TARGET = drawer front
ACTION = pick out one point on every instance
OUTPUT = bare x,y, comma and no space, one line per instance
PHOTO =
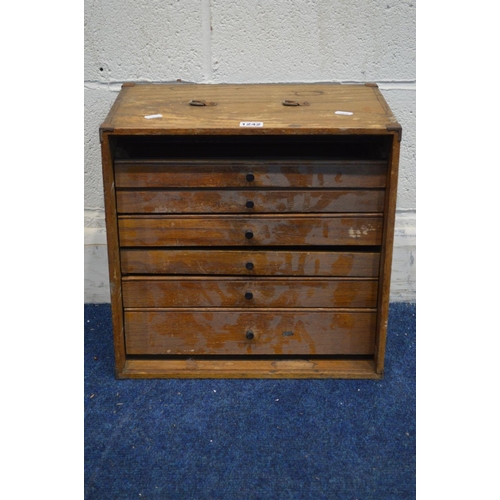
244,201
249,174
229,332
250,263
209,231
165,293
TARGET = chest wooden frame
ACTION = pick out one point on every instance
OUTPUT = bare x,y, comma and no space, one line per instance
250,229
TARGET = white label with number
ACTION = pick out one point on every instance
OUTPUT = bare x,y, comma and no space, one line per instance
251,124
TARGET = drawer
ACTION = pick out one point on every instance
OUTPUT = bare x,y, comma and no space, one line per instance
249,263
161,201
247,174
247,231
271,292
230,332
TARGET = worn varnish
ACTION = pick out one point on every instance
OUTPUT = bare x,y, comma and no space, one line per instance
248,367
247,238
235,231
160,292
250,263
264,332
161,201
317,174
250,103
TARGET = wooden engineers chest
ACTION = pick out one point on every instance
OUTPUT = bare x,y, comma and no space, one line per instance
250,229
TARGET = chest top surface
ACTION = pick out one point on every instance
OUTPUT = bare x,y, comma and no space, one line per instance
208,109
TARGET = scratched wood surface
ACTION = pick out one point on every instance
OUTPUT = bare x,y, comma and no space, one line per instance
249,367
386,256
257,242
155,201
237,231
272,292
113,248
362,109
249,263
224,332
250,174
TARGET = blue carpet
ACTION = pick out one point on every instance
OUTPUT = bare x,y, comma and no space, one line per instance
250,439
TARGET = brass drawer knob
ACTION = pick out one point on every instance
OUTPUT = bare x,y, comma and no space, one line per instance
249,335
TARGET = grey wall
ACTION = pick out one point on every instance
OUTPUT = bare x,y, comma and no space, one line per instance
249,41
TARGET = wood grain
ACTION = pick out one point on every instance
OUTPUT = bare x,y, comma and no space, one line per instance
305,266
386,255
263,230
113,252
254,102
223,332
266,173
271,292
162,201
246,368
264,262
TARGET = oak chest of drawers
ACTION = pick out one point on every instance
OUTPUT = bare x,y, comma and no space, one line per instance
250,229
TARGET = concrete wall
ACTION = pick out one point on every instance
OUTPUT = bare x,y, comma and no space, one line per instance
249,41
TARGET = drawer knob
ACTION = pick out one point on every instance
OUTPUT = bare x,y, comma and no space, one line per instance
249,265
249,335
249,235
249,295
249,204
250,177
